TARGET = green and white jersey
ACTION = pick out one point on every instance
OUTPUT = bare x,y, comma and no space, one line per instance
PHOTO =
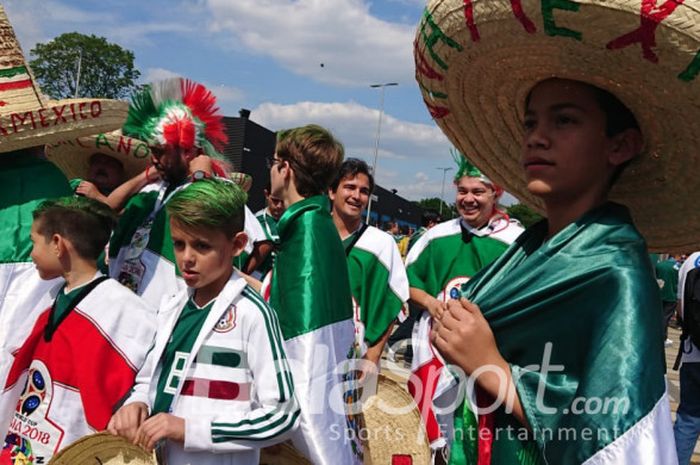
178,351
269,226
447,255
228,377
378,283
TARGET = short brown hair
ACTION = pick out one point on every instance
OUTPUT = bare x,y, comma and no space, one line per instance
314,155
85,222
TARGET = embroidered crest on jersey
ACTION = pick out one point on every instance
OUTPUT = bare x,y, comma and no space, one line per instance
453,288
227,321
32,436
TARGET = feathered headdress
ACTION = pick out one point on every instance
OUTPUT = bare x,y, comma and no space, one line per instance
179,112
465,168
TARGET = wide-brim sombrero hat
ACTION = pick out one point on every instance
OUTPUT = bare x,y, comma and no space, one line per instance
392,427
243,180
28,119
476,61
105,449
73,156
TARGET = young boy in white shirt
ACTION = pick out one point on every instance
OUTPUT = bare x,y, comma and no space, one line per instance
216,386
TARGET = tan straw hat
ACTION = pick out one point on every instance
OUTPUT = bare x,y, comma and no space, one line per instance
27,119
392,430
244,181
104,449
73,156
282,454
476,61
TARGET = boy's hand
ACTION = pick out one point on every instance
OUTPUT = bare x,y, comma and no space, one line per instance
126,421
464,337
435,307
161,426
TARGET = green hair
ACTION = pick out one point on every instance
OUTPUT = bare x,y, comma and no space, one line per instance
211,203
85,222
464,167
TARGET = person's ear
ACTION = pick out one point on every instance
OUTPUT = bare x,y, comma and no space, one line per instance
240,240
59,246
625,146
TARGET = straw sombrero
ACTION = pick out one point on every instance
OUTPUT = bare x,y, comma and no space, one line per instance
393,431
73,156
282,454
243,180
105,449
28,119
476,60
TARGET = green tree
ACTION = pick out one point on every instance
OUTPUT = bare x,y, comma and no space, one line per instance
434,203
526,215
106,70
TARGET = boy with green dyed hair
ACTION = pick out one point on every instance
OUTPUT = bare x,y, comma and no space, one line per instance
212,395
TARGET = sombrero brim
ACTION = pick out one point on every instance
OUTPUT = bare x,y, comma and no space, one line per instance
59,120
393,426
73,156
476,62
105,449
243,180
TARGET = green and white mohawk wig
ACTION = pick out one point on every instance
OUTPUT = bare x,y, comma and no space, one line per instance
179,112
465,168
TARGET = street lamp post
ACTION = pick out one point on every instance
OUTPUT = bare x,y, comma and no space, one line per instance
442,193
376,142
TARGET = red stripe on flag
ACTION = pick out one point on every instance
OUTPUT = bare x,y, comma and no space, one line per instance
421,386
15,85
224,390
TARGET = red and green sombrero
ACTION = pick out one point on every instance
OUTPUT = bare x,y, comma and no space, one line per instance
476,61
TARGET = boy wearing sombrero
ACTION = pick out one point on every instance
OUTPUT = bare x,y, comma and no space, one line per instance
28,121
97,165
569,105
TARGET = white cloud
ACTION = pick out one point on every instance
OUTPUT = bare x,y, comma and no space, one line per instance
225,94
356,126
158,74
57,17
408,152
354,47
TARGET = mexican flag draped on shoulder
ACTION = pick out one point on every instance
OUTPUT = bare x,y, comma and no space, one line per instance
378,283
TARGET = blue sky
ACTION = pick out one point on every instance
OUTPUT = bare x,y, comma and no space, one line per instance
266,55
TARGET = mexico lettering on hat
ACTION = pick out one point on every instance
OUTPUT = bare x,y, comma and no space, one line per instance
28,119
